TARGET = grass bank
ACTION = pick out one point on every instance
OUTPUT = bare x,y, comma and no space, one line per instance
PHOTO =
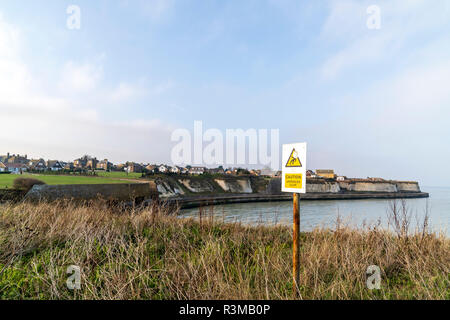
6,180
146,254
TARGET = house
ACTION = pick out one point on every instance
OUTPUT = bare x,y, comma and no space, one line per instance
17,159
150,168
104,165
121,167
85,162
133,167
184,170
218,170
163,168
197,170
3,168
37,165
341,178
54,165
16,168
175,170
91,164
68,166
310,173
254,172
327,174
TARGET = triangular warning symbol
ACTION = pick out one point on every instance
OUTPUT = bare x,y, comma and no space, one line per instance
294,160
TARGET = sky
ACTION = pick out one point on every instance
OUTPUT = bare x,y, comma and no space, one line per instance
369,102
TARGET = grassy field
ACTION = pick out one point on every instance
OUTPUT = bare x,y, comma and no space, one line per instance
146,254
6,180
119,175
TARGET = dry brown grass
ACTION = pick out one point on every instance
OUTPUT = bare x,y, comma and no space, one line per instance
148,254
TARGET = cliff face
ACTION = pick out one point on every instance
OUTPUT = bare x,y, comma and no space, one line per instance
237,186
172,186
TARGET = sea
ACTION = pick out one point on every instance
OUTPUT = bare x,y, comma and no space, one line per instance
331,213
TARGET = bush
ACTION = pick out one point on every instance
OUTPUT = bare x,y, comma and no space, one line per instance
26,183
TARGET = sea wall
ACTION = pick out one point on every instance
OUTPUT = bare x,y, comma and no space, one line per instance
109,192
368,187
327,187
408,186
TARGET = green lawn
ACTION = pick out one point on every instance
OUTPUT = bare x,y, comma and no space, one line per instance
6,180
119,175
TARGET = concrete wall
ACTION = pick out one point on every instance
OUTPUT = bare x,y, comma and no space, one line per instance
369,186
112,192
274,187
328,187
408,186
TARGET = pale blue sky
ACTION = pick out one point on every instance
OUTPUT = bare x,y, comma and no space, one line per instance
368,102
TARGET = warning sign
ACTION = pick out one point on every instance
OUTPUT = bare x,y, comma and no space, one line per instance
293,181
294,168
294,160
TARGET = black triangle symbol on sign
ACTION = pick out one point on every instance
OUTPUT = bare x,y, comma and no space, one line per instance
294,161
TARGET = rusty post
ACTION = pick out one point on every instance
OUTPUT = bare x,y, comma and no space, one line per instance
296,245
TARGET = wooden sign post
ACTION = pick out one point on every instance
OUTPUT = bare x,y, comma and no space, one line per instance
294,180
296,244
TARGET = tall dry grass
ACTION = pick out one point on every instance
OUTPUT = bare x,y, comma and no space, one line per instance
145,253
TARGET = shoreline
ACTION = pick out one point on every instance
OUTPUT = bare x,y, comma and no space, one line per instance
190,202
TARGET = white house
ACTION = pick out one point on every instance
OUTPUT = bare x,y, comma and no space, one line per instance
163,169
16,168
175,169
197,170
184,170
3,168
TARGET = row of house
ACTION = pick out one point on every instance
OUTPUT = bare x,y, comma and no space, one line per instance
32,165
18,164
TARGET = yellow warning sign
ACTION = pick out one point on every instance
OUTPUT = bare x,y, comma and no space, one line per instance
293,181
294,160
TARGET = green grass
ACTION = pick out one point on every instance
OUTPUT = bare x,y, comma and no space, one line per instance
147,254
119,175
6,180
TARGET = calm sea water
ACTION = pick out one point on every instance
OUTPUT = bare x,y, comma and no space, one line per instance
325,213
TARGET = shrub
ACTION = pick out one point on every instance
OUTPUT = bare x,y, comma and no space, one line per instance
26,183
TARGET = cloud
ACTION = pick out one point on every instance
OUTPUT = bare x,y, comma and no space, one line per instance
59,124
354,45
157,10
80,77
